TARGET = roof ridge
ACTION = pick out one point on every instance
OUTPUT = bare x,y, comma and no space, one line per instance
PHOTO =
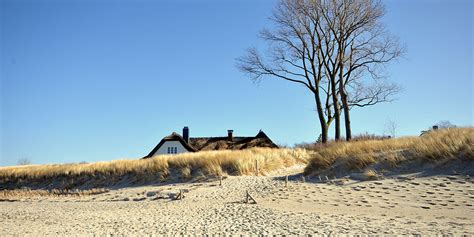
220,137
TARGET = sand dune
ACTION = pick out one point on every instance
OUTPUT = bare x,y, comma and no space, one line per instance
399,205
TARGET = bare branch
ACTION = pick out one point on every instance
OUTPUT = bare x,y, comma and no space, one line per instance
373,94
253,65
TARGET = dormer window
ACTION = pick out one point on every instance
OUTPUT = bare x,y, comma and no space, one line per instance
172,150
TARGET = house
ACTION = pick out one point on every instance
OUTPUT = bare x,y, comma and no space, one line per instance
434,128
175,143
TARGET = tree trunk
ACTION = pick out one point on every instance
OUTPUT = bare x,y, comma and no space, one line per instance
347,119
346,109
324,133
337,111
322,119
343,93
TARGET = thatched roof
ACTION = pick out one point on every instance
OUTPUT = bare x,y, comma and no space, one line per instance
218,143
237,143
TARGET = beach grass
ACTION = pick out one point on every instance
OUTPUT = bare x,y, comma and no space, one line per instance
443,144
161,167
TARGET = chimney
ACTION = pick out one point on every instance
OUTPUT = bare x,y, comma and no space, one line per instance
186,134
435,127
230,136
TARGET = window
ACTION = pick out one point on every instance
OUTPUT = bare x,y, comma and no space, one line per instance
172,150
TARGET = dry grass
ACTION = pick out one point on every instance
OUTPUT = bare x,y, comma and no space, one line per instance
358,155
9,195
371,174
455,143
164,167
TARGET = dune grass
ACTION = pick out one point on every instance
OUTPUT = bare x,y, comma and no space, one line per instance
10,195
444,144
158,168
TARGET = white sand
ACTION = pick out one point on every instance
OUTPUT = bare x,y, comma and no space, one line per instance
430,205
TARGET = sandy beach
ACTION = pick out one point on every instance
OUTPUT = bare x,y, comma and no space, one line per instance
430,205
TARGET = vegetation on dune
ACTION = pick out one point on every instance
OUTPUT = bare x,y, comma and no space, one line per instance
29,193
159,168
444,144
440,145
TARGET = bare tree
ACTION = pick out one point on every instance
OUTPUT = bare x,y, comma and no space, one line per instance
295,55
363,48
336,49
391,128
445,124
24,161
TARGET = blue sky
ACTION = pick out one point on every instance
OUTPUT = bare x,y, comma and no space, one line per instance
103,80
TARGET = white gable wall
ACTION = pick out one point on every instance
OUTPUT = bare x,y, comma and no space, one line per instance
164,148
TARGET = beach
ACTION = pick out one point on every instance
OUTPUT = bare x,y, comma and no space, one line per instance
431,205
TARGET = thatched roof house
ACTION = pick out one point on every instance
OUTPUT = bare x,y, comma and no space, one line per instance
175,143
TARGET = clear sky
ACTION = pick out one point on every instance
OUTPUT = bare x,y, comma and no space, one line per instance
104,80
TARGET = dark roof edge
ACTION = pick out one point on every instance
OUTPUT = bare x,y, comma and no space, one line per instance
261,134
172,137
